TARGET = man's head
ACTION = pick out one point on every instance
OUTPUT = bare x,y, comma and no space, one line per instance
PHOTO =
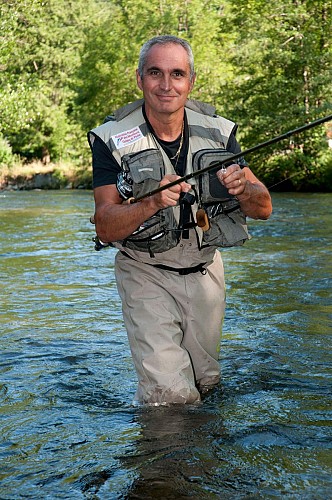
164,40
165,75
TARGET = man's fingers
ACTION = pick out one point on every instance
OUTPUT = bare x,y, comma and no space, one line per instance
185,187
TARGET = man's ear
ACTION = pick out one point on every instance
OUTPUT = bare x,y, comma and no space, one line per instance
192,83
139,80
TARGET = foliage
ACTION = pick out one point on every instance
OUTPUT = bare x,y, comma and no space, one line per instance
296,170
283,55
65,65
39,59
7,158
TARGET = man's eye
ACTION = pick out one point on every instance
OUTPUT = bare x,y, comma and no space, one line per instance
177,74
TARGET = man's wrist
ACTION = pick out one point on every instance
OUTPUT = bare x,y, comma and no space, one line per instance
246,193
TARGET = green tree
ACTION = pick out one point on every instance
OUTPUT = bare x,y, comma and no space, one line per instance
282,56
39,56
64,66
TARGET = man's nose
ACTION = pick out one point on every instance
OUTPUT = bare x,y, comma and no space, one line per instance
165,83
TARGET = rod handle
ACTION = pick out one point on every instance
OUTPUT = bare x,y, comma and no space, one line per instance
202,219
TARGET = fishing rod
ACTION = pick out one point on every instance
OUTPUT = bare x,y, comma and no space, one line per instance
219,164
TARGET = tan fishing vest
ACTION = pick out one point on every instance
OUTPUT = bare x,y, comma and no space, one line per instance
135,149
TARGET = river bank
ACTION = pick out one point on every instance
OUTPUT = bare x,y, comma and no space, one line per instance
39,176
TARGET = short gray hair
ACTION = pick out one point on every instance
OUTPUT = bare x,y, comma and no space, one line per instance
164,40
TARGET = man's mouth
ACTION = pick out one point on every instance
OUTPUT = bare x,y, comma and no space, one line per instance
165,96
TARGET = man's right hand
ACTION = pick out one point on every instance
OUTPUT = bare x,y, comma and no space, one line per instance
170,197
116,220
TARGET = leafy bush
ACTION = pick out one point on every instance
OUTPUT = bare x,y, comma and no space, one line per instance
321,177
7,158
297,170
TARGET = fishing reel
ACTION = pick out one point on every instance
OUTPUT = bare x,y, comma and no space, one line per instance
99,245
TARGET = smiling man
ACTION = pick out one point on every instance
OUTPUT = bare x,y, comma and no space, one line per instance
168,269
166,79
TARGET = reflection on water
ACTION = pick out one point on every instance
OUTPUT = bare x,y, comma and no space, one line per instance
68,428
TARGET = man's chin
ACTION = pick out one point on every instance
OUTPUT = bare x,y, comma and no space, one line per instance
167,106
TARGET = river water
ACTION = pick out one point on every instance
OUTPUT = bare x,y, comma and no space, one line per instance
68,426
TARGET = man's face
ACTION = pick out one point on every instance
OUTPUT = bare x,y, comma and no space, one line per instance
166,80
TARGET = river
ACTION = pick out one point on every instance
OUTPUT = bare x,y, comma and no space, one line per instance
68,426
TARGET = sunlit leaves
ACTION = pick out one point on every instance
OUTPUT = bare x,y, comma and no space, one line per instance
65,65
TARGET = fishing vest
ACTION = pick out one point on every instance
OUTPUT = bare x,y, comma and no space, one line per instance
140,156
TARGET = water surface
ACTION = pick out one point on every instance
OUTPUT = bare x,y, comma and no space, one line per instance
68,428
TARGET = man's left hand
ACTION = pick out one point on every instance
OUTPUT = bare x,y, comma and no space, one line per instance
233,178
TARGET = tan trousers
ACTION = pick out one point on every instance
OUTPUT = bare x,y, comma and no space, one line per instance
174,328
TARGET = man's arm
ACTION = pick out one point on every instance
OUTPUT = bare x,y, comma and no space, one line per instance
116,219
254,197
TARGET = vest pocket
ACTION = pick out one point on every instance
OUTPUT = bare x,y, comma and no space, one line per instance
156,235
144,165
227,222
227,230
210,187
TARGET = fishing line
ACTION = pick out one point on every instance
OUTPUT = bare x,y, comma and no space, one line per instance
284,180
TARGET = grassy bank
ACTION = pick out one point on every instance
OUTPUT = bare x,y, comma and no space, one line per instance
36,175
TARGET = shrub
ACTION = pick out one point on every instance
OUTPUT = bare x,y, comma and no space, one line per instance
7,158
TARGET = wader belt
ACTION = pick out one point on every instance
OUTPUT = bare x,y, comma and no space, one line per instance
182,270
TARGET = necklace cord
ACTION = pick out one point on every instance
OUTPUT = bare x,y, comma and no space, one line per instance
177,154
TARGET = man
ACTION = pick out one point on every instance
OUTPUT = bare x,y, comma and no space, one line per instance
169,270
